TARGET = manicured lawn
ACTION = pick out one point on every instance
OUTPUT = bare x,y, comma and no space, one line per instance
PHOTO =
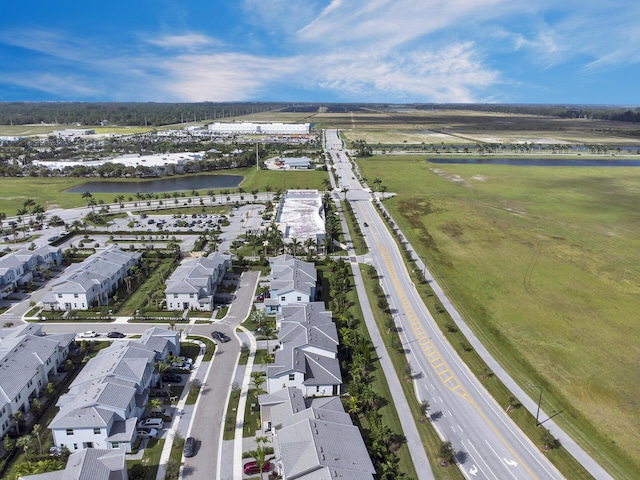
543,265
151,458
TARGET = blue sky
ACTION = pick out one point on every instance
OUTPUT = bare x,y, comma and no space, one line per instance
397,51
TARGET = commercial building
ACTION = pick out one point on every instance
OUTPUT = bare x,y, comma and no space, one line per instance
246,128
301,216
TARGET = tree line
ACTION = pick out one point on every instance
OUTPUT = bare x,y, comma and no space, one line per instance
124,114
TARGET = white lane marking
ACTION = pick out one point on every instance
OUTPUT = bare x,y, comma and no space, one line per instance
501,460
481,461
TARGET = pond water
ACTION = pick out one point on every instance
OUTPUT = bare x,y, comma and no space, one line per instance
161,185
538,162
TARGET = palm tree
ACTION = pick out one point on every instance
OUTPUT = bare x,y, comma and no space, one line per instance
154,404
88,196
294,245
212,196
258,379
260,453
161,367
267,330
36,431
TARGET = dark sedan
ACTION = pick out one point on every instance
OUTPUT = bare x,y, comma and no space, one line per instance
171,378
221,337
116,335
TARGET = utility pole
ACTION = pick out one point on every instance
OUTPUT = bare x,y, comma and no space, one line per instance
538,422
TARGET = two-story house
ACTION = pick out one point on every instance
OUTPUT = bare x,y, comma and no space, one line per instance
292,281
192,286
313,437
106,399
307,357
28,359
91,282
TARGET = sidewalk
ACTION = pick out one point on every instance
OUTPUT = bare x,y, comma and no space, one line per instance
180,412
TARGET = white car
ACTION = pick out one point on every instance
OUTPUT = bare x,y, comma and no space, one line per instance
147,433
88,334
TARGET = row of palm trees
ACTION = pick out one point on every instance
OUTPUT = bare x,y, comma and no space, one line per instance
357,353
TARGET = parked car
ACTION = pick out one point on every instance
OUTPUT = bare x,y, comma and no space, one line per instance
155,413
221,337
146,433
88,334
116,335
151,422
189,447
171,378
251,468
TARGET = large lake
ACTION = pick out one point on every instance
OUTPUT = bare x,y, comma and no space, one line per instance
538,162
161,185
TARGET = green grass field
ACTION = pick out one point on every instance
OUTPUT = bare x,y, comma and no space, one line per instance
543,264
50,192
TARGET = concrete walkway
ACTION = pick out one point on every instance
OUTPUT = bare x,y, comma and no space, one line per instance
413,443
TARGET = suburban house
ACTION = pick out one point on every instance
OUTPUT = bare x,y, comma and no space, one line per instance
89,464
91,282
292,281
301,216
307,357
20,267
27,360
192,286
105,400
313,438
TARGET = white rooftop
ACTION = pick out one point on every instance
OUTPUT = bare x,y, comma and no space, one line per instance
300,215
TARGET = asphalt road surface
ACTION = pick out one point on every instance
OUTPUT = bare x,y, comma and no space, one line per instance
488,444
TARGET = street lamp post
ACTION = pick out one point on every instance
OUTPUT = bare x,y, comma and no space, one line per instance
538,422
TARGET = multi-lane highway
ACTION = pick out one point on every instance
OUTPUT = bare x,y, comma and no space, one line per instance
488,444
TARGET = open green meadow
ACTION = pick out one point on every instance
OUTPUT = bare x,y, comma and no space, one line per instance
50,192
543,264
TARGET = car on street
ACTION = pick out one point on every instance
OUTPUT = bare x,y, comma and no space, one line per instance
221,337
116,335
88,334
189,447
251,468
171,378
365,224
146,432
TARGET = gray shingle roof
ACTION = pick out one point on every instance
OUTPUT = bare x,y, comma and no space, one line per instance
290,274
22,352
318,442
96,464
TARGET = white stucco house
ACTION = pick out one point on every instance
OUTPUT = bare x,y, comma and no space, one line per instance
313,438
20,267
110,394
292,281
307,357
192,286
89,464
27,360
93,281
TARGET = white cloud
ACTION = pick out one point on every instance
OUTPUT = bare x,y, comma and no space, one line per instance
186,41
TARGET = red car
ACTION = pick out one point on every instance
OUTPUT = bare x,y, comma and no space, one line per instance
251,468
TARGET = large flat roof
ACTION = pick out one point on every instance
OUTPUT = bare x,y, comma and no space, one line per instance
300,215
